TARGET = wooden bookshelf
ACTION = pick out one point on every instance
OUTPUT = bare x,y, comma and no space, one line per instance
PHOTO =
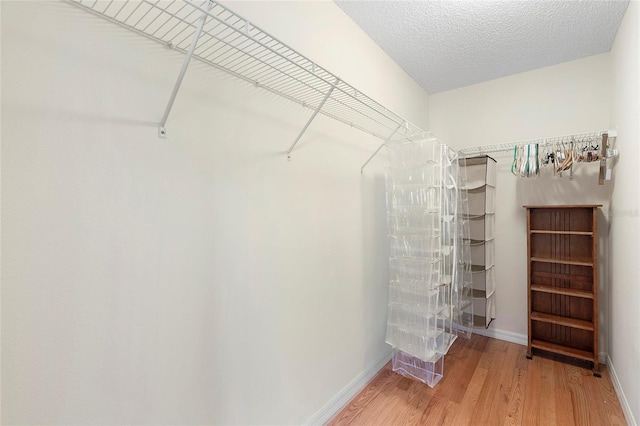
562,276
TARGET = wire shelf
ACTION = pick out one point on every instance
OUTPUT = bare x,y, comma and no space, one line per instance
542,142
232,44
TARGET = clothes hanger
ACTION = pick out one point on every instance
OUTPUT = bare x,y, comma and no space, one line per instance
549,157
567,159
555,158
574,157
582,156
560,158
534,160
524,166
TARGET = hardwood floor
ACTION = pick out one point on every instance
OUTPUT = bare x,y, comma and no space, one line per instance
488,382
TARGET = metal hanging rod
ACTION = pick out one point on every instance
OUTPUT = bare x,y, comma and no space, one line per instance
230,43
542,142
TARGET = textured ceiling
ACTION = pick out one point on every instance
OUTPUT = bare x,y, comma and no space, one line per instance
447,44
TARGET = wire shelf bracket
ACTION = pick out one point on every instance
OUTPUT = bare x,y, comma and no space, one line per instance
162,130
315,113
380,147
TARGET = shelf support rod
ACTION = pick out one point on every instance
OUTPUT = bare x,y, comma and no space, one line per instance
162,130
304,129
380,147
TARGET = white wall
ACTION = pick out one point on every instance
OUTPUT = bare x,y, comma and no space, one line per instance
624,300
564,99
196,280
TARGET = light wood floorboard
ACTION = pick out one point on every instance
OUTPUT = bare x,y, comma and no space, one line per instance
488,382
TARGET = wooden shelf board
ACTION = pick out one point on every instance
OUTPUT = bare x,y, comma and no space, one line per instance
561,349
561,261
542,231
559,320
563,206
556,275
564,291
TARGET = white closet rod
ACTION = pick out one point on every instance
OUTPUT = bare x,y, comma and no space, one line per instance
542,142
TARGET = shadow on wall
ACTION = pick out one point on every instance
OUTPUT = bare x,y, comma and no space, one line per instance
376,258
555,189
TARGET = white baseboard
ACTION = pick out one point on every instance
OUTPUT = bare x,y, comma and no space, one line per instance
508,336
626,409
520,339
332,407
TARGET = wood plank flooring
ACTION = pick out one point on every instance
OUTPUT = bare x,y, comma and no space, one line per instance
488,382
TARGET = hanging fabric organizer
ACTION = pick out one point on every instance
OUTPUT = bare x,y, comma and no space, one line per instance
481,191
212,34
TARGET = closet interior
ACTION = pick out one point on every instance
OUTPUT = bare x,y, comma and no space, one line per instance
441,203
441,214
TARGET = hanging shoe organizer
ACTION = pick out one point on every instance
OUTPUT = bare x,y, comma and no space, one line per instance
430,285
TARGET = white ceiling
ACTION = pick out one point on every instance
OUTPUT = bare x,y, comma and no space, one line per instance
446,44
